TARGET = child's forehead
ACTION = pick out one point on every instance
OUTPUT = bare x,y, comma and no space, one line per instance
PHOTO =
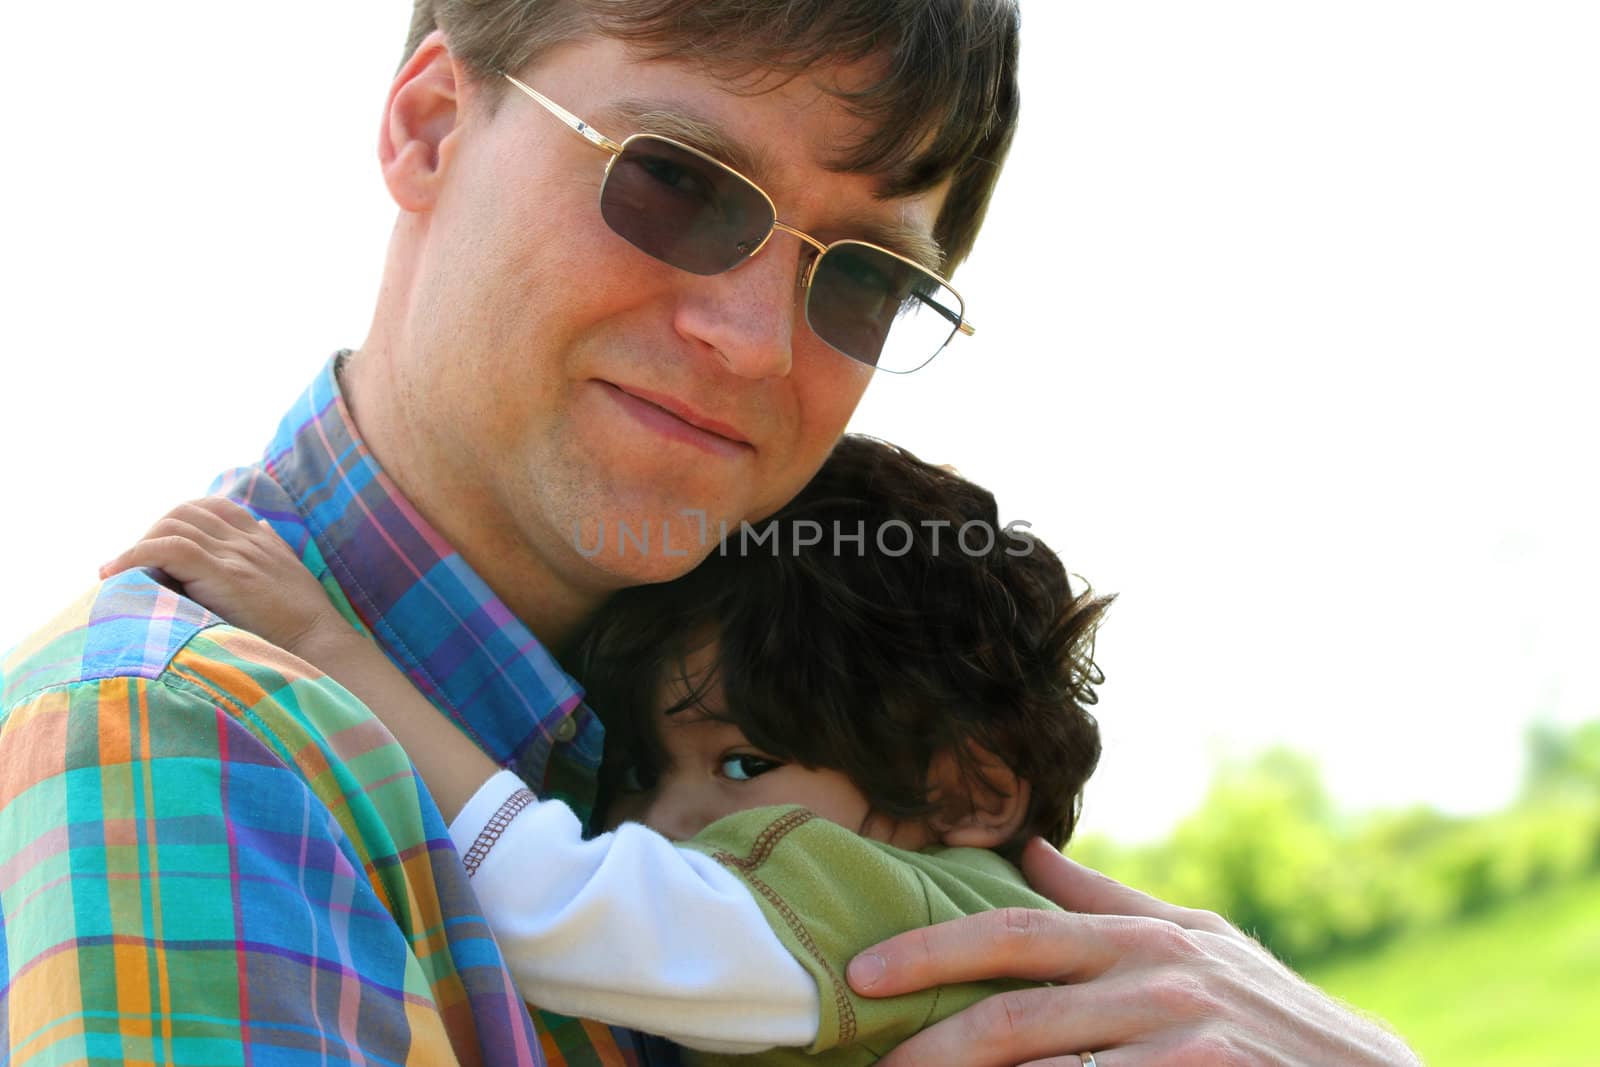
693,730
691,681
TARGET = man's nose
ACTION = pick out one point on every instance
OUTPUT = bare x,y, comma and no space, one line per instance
748,315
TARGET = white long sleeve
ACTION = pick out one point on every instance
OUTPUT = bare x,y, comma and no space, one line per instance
627,929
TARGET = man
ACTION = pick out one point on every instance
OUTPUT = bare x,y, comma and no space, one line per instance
212,855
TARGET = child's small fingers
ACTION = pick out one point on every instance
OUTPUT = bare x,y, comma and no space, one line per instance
187,524
229,511
202,515
179,556
234,525
126,560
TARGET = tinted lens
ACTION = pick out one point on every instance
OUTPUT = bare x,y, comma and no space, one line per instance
880,309
683,208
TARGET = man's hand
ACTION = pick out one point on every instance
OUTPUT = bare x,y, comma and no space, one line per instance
237,566
1138,983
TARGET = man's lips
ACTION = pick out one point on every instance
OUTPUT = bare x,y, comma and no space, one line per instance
674,420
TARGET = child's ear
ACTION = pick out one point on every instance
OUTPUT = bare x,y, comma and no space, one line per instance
970,814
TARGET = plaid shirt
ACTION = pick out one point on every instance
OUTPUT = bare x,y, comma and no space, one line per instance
212,854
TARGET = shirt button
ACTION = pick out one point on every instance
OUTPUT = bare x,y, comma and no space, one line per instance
566,729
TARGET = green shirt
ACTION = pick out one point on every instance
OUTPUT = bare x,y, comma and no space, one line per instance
830,893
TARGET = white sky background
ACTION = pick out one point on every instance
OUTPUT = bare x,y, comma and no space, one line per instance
1288,331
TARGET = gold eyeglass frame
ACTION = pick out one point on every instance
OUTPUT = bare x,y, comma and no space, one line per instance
605,144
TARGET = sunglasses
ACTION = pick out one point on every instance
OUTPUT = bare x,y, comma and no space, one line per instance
690,211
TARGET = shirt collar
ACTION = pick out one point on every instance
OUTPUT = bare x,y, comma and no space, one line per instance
430,612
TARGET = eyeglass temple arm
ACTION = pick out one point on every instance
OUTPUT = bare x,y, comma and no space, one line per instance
945,313
577,125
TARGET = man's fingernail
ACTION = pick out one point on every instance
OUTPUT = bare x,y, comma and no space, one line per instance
865,970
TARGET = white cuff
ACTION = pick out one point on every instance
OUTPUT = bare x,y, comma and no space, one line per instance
627,929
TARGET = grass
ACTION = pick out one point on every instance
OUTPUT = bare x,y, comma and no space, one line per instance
1516,986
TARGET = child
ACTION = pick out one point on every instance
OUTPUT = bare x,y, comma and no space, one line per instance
844,717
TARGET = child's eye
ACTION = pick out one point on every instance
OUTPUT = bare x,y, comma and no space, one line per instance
744,767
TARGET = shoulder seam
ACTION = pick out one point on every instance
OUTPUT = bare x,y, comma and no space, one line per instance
141,672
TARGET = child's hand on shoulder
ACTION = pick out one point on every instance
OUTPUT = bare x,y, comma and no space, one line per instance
238,567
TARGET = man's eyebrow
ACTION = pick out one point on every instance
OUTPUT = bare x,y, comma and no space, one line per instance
650,116
915,244
630,116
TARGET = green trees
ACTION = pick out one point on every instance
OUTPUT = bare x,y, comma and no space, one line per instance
1268,849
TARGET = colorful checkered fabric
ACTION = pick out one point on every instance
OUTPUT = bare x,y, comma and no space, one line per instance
211,854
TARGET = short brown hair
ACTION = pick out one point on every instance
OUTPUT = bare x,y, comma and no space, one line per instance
871,656
944,107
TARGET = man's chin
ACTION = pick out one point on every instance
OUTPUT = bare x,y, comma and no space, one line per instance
616,574
637,550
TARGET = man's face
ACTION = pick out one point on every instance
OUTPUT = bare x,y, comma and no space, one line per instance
566,385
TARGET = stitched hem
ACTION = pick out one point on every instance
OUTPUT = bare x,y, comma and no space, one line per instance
747,866
492,831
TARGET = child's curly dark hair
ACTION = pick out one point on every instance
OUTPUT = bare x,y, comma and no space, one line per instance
934,631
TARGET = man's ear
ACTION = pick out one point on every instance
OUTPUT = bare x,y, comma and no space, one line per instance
418,120
970,814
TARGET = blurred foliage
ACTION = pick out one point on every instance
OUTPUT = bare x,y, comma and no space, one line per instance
1514,985
1268,849
1563,760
